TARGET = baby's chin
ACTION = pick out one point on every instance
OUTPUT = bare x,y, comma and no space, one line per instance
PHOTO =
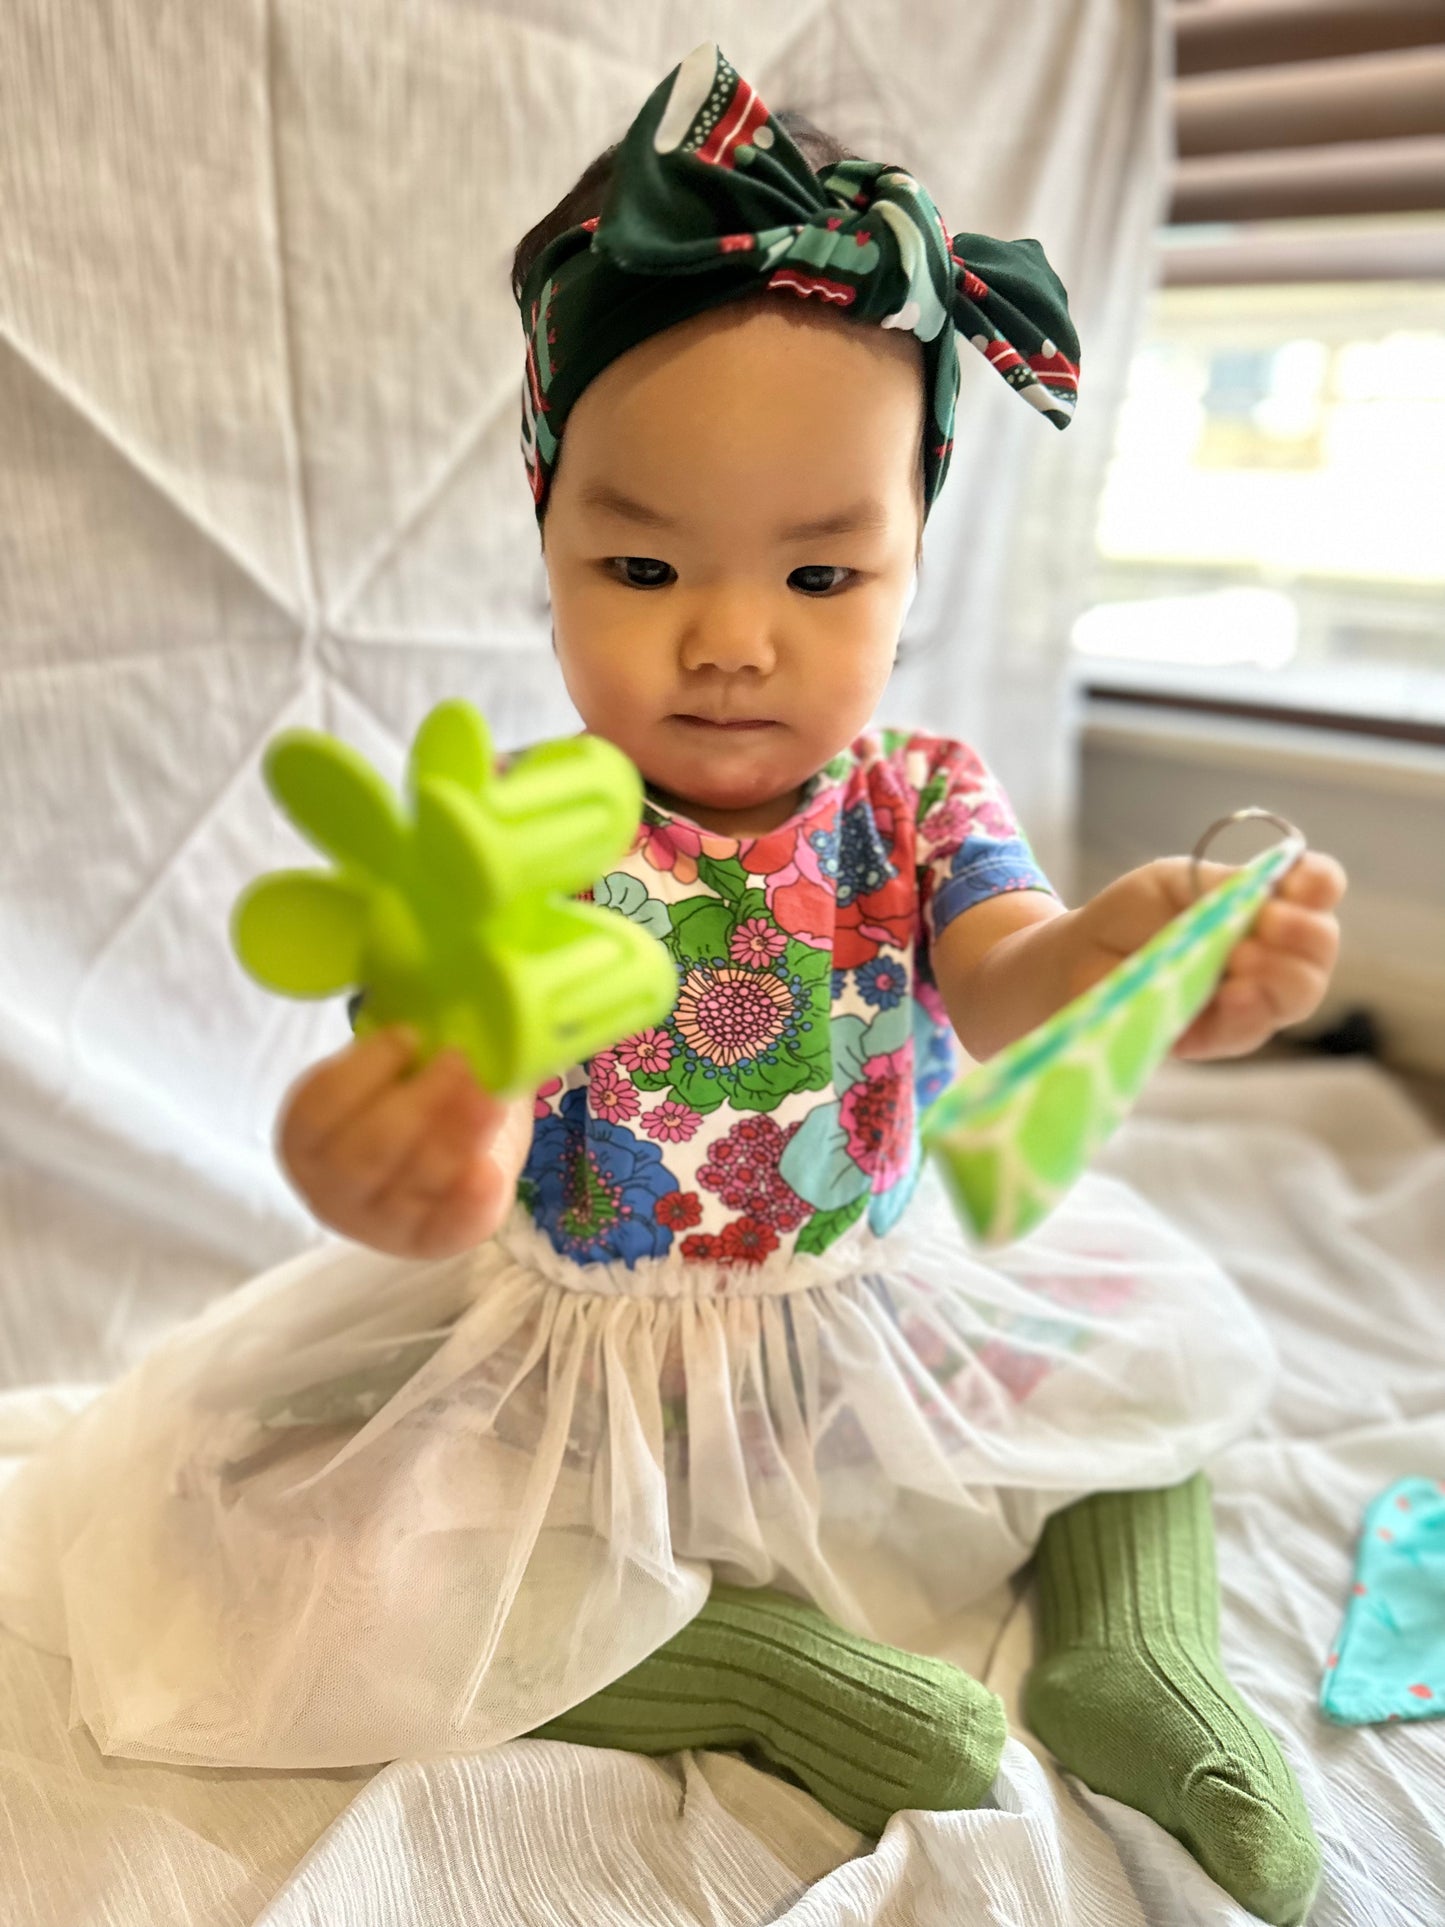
716,787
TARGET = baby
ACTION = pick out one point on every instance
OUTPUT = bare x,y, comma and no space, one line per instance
664,1395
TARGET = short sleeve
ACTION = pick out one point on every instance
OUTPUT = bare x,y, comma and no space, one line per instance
970,846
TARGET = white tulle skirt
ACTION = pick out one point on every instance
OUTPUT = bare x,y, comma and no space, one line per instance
365,1509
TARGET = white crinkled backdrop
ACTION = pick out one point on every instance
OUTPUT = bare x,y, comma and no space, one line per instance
259,372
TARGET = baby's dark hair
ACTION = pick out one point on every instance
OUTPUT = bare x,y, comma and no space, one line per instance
584,198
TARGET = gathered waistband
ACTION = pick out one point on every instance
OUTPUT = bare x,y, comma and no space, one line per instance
857,1252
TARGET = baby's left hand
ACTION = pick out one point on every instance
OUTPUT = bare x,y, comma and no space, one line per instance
1276,976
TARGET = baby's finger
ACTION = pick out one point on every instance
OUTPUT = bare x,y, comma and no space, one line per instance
1317,881
340,1087
1289,928
466,1215
1290,988
1182,881
366,1154
1129,911
1236,1020
456,1130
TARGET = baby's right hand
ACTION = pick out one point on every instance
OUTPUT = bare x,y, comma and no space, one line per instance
416,1163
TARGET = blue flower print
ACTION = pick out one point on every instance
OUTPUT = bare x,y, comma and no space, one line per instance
883,982
824,845
592,1186
864,859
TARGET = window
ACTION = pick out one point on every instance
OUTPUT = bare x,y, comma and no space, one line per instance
1272,525
1276,497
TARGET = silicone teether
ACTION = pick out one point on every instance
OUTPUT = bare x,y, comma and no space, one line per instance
1013,1135
454,917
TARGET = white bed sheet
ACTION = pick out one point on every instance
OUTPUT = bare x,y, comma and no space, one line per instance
1323,1190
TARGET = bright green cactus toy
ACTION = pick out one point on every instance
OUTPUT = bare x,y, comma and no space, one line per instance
1013,1135
456,918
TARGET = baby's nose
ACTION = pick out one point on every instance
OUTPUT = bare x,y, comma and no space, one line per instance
730,633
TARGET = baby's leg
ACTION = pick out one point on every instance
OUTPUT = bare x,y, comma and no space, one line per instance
869,1730
1131,1695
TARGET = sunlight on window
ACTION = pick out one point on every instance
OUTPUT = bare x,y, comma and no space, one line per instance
1277,491
1222,626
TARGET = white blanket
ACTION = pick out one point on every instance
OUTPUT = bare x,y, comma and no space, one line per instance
1324,1192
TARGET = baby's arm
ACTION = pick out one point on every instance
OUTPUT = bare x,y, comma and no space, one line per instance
1009,962
416,1163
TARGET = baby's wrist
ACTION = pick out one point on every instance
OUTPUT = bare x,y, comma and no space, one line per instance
1060,958
1022,981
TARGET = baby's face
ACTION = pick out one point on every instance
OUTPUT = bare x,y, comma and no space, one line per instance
730,540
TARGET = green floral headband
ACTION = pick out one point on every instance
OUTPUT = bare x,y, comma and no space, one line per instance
710,200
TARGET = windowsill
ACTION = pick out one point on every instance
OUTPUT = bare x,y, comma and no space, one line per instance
1373,699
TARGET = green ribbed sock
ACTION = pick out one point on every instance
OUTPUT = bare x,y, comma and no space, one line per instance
1130,1693
870,1731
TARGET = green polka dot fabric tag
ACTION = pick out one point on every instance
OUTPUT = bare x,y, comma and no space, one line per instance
1012,1136
1389,1660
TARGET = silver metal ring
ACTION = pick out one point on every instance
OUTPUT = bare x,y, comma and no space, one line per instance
1238,816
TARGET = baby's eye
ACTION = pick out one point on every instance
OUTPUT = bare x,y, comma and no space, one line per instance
642,571
817,578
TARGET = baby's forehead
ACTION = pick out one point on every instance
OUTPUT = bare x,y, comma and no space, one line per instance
769,355
753,412
784,323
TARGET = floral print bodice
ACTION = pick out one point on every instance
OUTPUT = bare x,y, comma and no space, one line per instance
779,1104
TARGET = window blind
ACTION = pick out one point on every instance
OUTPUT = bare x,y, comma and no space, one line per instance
1309,111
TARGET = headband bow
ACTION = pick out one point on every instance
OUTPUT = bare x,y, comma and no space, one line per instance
710,200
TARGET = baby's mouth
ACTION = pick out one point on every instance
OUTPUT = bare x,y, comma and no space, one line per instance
729,722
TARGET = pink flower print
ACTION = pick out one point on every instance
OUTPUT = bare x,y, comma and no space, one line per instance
670,1122
609,1094
993,817
877,1118
676,847
757,942
799,895
950,823
804,909
742,1167
727,1015
541,1103
946,825
649,1051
